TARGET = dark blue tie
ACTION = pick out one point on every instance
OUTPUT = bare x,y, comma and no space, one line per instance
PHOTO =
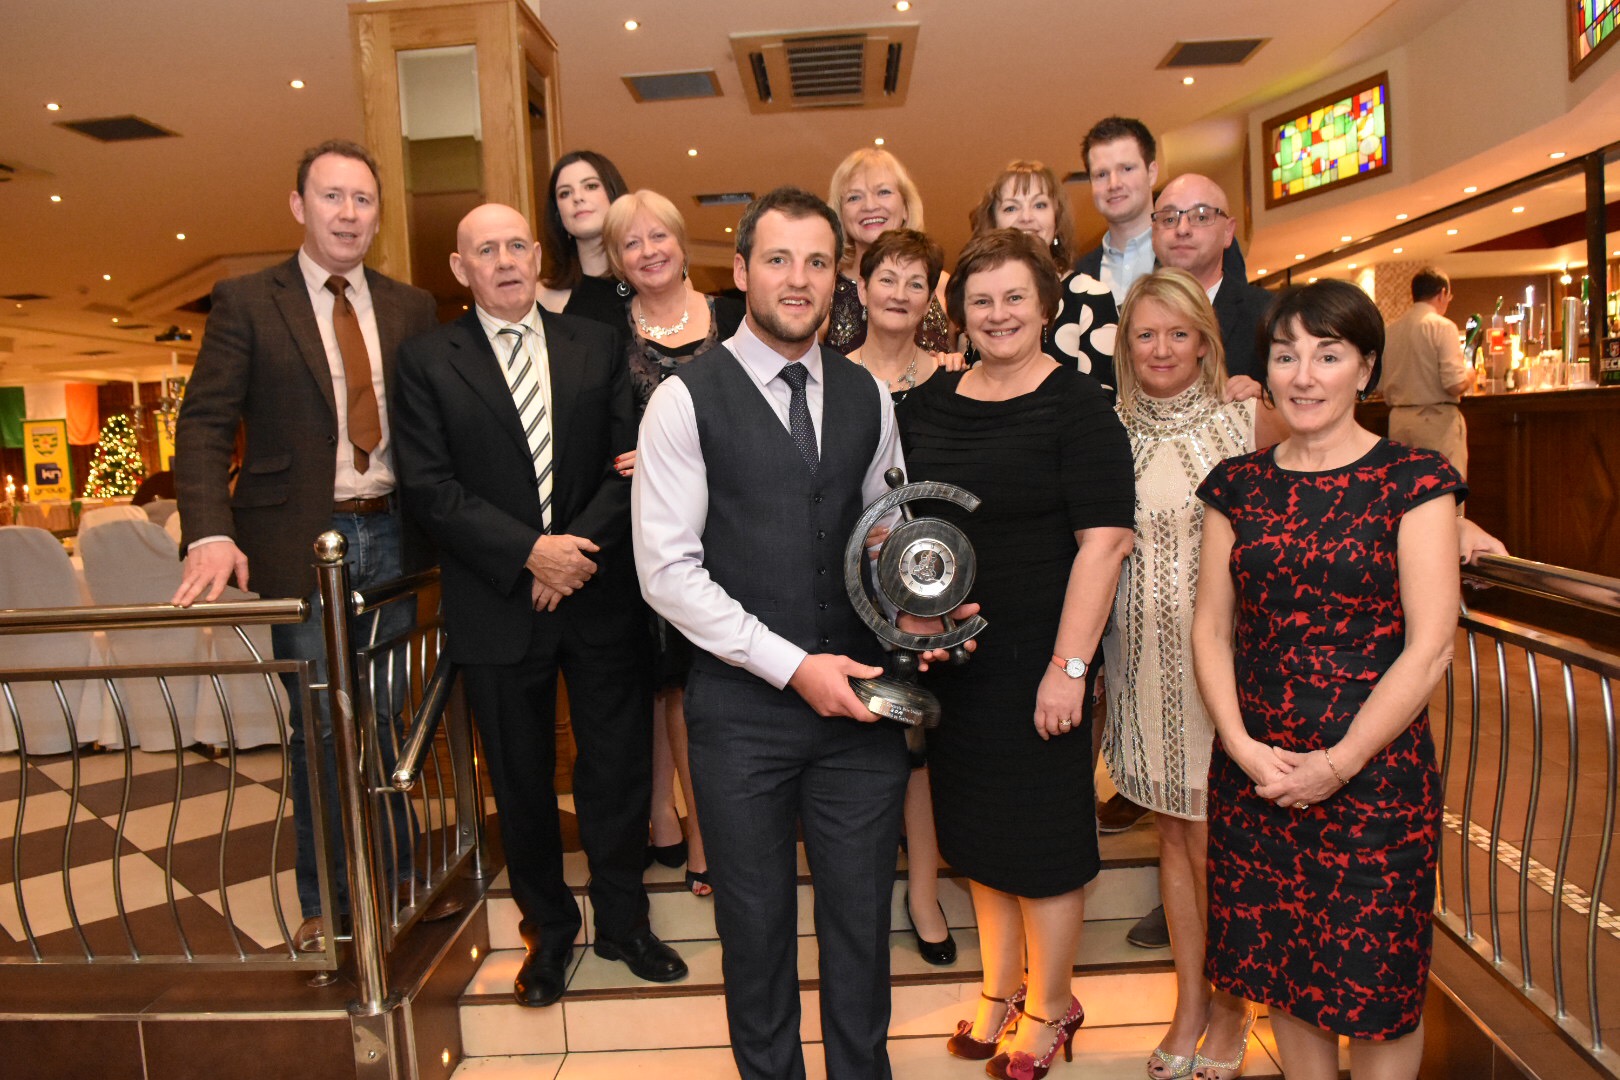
799,426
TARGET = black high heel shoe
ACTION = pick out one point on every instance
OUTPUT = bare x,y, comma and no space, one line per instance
670,855
938,953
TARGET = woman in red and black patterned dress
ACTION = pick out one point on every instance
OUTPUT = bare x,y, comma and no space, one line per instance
1326,606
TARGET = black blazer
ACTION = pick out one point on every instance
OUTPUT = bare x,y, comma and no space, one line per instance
262,365
468,479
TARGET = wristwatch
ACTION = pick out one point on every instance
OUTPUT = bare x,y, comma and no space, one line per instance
1073,667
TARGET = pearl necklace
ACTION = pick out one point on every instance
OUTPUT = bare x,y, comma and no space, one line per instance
659,333
908,378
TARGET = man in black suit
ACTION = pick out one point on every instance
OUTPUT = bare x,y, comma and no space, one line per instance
276,359
1192,229
508,422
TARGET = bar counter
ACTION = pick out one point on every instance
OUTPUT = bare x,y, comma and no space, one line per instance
1543,472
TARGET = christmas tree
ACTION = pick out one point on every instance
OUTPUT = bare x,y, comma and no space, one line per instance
116,467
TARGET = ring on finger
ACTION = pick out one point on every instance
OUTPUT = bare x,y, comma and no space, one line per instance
1064,725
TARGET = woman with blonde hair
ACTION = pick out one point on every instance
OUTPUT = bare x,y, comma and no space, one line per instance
668,323
872,193
1157,739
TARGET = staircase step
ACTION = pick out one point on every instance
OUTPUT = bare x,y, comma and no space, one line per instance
1100,1053
1127,888
606,1008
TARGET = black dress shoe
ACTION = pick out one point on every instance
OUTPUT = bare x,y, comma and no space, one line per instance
544,975
645,956
938,953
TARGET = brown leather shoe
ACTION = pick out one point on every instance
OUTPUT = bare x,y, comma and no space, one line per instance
310,937
1119,814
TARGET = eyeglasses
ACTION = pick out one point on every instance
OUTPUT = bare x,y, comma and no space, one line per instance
1202,217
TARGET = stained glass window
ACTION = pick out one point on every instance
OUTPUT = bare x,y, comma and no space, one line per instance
1333,140
1592,26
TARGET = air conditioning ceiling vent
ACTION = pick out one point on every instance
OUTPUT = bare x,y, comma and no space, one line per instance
862,67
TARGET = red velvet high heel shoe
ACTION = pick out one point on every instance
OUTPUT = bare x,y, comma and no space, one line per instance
964,1045
1019,1065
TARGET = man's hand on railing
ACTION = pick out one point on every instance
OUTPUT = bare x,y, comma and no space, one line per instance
210,567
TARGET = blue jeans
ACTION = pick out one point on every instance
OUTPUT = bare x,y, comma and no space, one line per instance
373,557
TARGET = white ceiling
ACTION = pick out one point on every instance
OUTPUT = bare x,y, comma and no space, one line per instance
1019,78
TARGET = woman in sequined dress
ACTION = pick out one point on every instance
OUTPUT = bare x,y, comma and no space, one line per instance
873,193
1026,196
1157,739
668,322
574,272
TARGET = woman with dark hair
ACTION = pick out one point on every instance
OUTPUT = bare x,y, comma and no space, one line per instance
1011,760
872,193
1026,196
668,323
575,277
1327,602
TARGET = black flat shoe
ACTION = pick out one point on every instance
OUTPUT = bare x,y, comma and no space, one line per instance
543,975
938,953
670,855
645,956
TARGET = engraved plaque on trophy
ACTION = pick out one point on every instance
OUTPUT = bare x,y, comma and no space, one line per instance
925,568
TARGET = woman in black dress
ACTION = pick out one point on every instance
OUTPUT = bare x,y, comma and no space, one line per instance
1327,603
668,323
574,272
1011,761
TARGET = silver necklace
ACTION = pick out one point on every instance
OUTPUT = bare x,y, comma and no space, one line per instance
659,333
908,378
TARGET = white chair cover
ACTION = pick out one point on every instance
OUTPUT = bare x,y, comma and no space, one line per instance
135,562
36,573
159,511
101,515
172,527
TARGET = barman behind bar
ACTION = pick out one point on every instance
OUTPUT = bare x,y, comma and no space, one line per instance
1426,373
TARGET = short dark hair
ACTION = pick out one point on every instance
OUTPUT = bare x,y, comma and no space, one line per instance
1329,309
991,249
342,148
903,246
1429,283
793,203
559,265
1024,175
1113,128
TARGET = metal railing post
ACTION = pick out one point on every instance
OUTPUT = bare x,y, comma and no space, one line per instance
353,797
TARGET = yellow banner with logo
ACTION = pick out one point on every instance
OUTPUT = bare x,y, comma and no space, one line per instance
45,456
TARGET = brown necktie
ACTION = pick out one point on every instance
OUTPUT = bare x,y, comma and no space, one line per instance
365,423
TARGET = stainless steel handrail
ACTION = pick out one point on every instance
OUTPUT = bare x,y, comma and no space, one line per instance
1593,591
435,696
150,616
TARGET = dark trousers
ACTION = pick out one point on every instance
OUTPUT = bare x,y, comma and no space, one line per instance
610,703
763,766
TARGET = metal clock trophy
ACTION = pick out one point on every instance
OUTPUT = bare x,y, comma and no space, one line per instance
925,567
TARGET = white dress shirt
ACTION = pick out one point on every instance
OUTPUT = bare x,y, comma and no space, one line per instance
534,347
669,506
378,479
1122,266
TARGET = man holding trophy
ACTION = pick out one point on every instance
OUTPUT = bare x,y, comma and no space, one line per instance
755,463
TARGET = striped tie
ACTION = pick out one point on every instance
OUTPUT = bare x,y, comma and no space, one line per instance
524,383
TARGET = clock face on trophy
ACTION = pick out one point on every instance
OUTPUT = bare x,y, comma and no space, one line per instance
925,567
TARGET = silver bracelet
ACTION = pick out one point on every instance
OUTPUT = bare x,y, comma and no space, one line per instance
1327,757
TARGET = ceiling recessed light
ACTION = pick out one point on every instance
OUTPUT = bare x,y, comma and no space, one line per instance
297,84
1186,80
115,318
1299,258
1518,209
1345,239
56,198
1470,189
1264,271
631,24
1451,232
53,106
1310,281
1400,217
106,277
878,141
1398,250
1351,266
728,228
1556,155
902,5
692,152
179,236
